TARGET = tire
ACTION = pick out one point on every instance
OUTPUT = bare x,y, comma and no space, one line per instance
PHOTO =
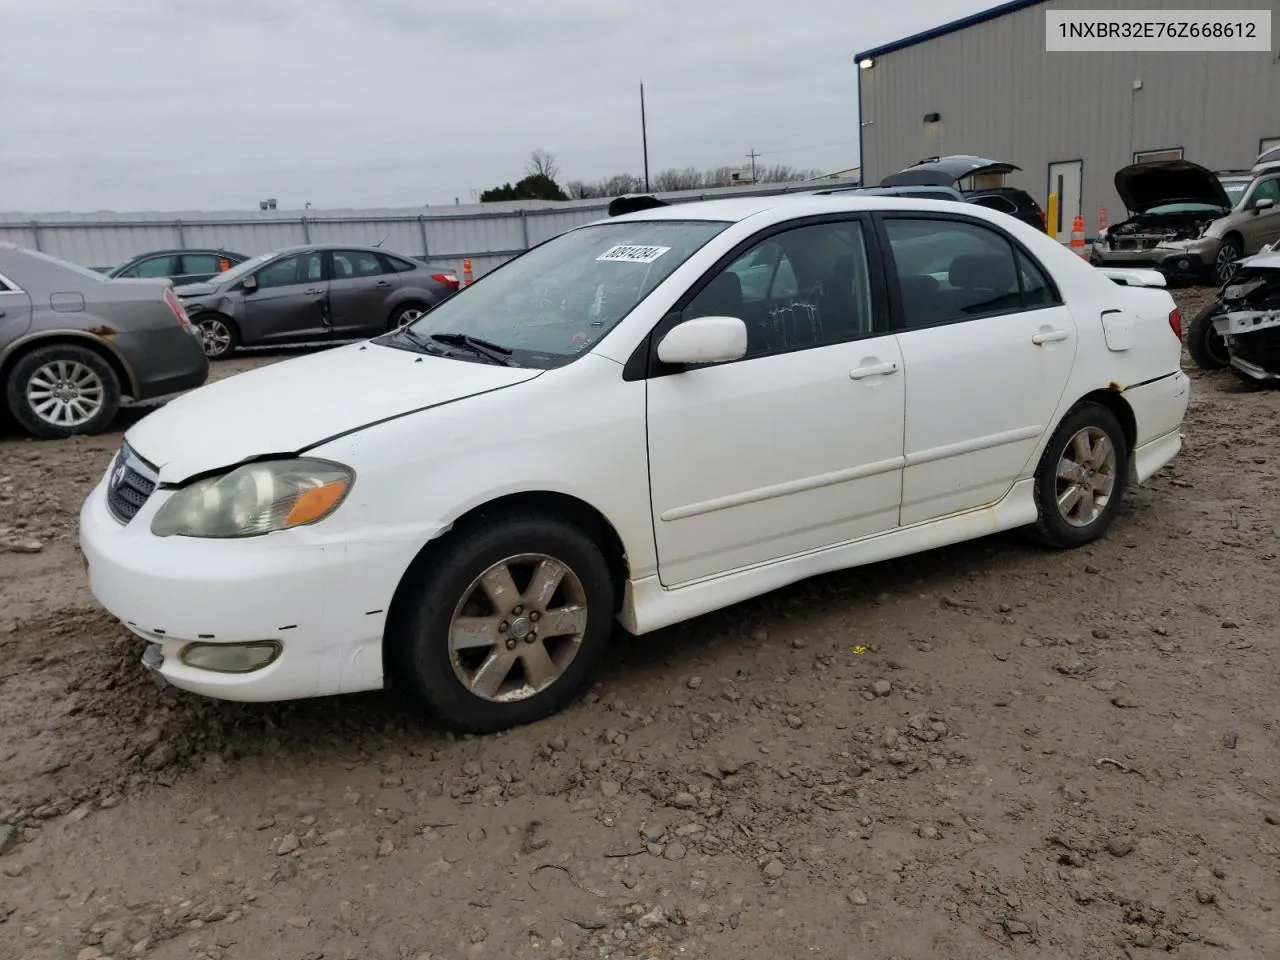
218,336
1224,264
404,314
1207,347
1066,529
447,585
88,389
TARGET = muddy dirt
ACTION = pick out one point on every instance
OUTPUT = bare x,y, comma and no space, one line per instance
984,751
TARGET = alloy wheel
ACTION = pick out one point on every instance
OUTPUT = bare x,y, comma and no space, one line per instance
65,393
517,628
215,337
1086,477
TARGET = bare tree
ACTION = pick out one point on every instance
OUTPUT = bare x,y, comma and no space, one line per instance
543,164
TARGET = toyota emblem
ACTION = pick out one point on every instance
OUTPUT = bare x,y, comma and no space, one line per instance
117,475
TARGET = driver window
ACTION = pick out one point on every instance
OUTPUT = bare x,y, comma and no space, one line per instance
302,268
1267,190
805,287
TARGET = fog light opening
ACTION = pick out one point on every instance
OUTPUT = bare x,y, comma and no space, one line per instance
231,657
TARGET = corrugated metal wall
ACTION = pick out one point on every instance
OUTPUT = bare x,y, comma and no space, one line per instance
488,234
1001,95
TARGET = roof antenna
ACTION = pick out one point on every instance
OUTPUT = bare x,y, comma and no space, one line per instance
383,240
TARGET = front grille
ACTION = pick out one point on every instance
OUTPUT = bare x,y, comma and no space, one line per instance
130,484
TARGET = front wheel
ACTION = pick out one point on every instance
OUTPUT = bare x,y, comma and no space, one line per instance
217,336
1224,265
504,625
1206,346
63,391
1081,478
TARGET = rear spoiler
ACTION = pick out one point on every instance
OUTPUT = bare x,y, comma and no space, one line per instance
621,205
1134,277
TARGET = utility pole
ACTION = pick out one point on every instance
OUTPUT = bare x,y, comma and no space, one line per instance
753,156
644,139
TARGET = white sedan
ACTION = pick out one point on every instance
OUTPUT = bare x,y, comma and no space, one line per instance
640,421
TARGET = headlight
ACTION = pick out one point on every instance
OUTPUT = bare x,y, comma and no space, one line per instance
255,499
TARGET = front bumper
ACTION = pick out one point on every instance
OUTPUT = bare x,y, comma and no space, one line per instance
324,599
1192,262
163,361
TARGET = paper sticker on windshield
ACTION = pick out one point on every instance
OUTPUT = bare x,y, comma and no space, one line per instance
633,253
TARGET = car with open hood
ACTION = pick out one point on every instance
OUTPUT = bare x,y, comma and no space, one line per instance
1240,327
981,173
636,422
1184,223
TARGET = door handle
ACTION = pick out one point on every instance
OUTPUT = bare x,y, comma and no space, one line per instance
873,370
312,292
1049,336
383,283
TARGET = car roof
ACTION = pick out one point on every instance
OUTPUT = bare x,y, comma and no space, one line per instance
737,209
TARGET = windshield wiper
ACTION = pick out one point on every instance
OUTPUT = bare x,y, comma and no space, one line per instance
484,348
425,345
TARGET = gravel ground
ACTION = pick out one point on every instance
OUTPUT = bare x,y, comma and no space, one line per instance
983,751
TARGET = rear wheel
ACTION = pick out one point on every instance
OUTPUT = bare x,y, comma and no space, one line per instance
405,314
1207,347
62,391
218,337
505,624
1081,478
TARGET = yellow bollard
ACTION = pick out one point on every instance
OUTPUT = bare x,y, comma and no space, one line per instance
1051,221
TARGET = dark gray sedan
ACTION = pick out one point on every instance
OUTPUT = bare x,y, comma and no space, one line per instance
73,343
312,293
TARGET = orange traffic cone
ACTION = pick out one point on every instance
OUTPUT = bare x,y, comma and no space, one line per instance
1077,235
466,273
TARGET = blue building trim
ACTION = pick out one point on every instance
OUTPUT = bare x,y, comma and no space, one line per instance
1012,6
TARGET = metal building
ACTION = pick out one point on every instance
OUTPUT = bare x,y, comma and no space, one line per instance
985,85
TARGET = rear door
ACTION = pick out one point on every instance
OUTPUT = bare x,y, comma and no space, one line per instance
289,302
987,347
358,293
15,312
199,267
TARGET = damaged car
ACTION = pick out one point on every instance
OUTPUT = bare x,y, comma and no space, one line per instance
1184,223
1240,328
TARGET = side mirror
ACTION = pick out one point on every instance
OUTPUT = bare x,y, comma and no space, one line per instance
249,283
1265,203
705,340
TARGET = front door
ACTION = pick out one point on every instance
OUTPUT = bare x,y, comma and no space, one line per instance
798,446
290,302
1261,225
987,346
1066,180
359,290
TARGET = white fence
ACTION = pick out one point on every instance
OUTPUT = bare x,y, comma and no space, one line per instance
487,234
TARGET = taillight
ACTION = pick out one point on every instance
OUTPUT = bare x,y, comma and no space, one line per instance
1175,322
448,279
175,305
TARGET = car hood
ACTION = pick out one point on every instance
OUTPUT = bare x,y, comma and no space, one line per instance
945,171
188,290
1145,185
290,406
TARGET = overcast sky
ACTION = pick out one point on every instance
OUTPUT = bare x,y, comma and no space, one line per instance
191,105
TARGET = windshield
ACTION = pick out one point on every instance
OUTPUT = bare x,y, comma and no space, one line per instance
1235,189
239,271
560,298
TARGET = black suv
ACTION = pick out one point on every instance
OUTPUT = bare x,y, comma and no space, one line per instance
950,171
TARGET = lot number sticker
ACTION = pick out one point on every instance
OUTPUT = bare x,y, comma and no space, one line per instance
633,253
